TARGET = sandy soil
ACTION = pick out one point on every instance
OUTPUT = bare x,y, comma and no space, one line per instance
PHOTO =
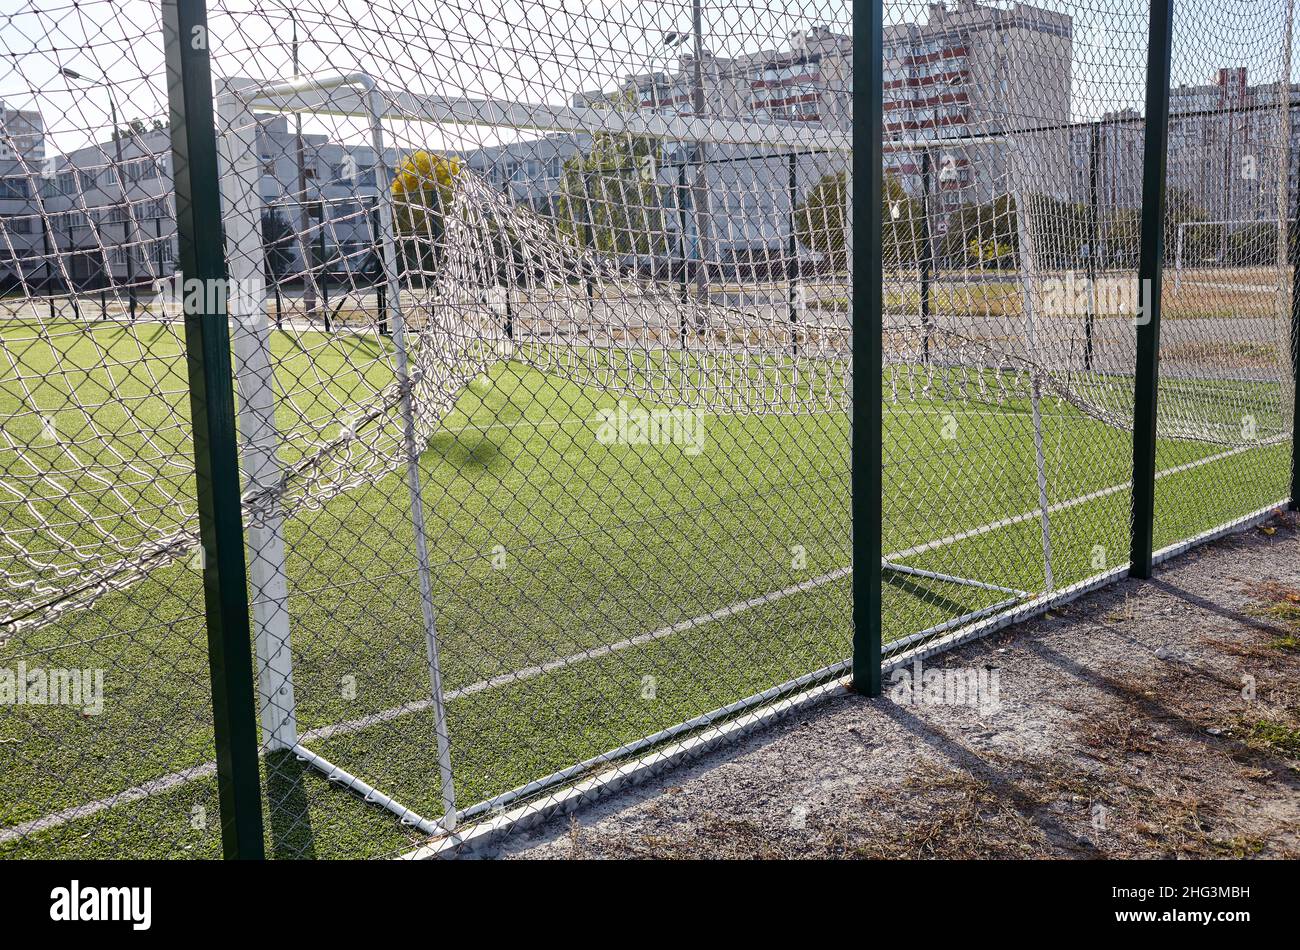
1157,719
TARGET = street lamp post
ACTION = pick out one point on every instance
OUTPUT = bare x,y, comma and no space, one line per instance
124,204
700,195
304,212
701,170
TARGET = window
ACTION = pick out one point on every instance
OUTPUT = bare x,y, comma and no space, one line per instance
15,187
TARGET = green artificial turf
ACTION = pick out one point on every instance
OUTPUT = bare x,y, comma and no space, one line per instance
599,543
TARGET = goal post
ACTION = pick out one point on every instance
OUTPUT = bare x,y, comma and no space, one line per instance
1021,160
258,437
358,98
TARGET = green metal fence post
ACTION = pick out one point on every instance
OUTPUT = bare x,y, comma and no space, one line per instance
1150,270
868,301
1294,234
212,405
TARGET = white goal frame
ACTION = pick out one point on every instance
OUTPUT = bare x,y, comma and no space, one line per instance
357,95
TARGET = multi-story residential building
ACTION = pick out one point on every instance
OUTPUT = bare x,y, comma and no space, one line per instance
969,70
1225,145
1225,150
1106,158
22,157
104,213
747,188
528,171
973,70
807,82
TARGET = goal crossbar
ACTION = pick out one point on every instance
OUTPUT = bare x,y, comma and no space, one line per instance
359,96
350,95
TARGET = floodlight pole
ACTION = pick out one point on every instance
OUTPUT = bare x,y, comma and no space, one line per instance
1150,272
304,214
927,258
700,200
867,305
792,268
216,459
124,205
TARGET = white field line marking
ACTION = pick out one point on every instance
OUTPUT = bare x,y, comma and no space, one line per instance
1061,505
155,786
582,422
529,672
1217,285
175,779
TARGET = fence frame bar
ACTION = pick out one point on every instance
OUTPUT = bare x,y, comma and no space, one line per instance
1294,235
212,406
1150,272
867,315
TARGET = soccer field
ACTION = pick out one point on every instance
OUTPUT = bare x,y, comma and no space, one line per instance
587,594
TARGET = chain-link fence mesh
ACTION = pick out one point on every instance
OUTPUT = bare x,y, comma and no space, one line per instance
540,323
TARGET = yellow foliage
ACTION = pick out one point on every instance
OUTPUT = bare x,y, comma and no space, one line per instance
422,195
424,171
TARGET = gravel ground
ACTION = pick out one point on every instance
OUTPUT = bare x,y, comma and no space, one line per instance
1150,719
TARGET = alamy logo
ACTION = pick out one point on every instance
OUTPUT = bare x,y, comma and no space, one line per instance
629,424
1104,296
73,903
37,686
195,295
977,687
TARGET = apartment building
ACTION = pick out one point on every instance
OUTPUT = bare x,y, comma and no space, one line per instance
748,189
968,70
22,157
1224,149
1106,160
528,171
973,71
1225,145
105,213
809,82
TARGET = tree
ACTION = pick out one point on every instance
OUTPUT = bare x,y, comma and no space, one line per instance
608,197
821,218
1060,230
423,185
1123,233
982,235
1254,245
902,225
138,127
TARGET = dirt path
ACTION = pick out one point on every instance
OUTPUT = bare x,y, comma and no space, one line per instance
1155,719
